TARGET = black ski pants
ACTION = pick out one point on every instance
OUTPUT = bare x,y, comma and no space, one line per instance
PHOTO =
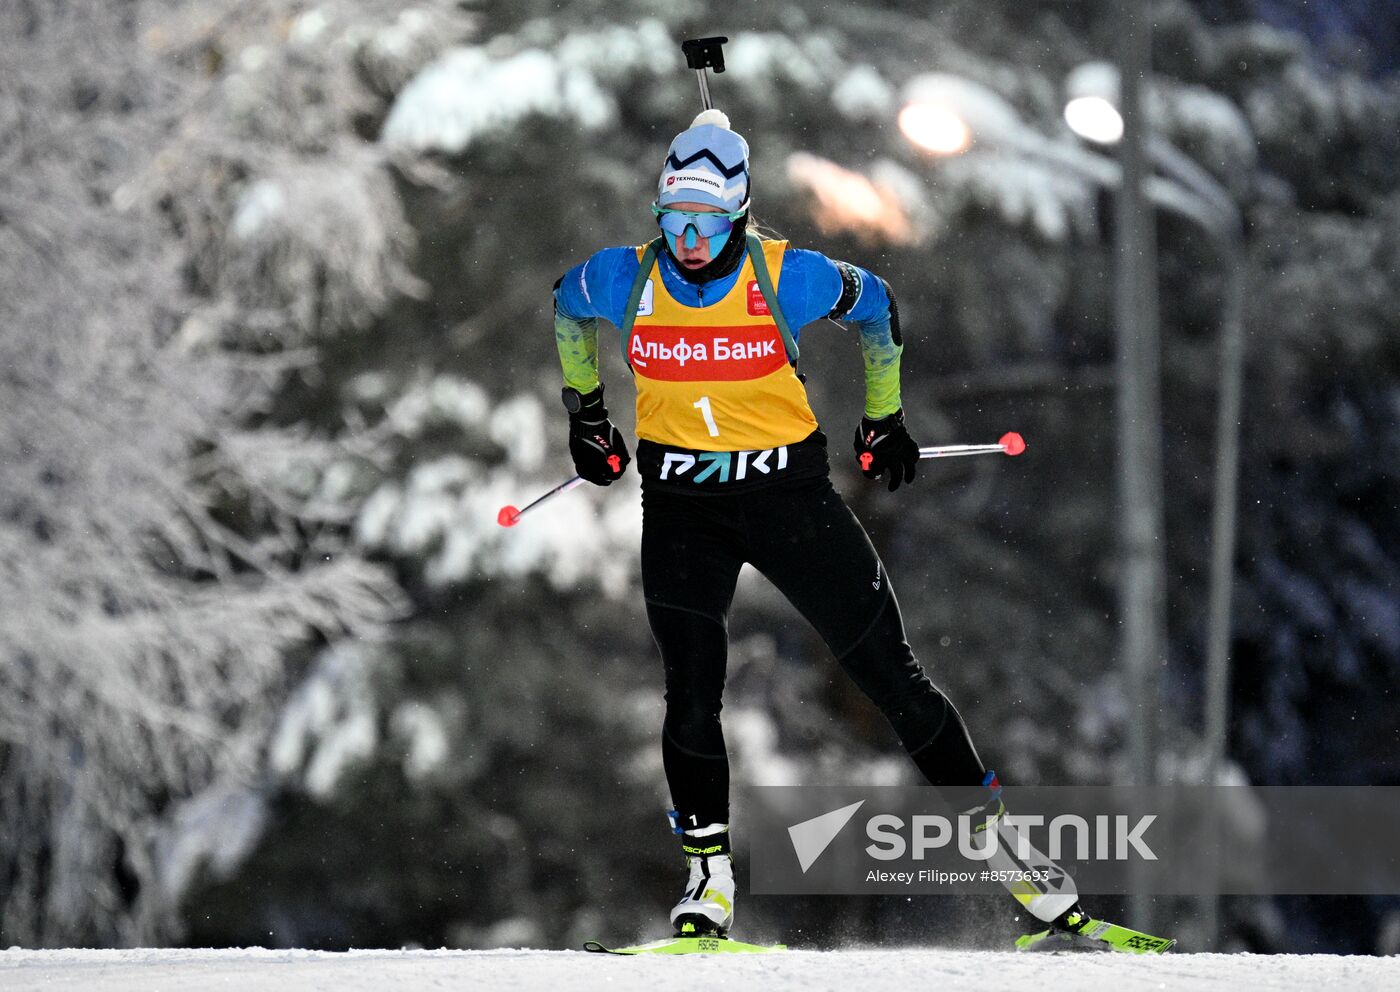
804,539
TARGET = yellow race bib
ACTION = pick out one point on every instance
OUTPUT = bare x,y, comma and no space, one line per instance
716,378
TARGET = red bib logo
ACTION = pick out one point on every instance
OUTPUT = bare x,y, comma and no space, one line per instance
706,354
758,306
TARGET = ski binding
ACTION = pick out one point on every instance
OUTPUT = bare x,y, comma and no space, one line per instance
1078,929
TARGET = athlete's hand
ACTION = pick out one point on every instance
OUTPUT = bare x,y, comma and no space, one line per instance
599,453
884,445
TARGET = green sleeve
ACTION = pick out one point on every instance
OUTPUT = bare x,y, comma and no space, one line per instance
577,341
881,355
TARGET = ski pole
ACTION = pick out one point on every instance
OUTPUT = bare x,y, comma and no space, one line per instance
510,516
702,54
1011,443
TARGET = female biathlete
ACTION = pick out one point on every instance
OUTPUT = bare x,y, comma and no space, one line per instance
734,470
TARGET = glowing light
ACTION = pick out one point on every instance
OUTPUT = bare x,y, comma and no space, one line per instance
843,200
1094,118
935,128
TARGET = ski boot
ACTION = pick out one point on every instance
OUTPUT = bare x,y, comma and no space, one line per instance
1067,932
707,907
1048,893
1039,885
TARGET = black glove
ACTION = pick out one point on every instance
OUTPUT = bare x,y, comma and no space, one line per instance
885,444
599,453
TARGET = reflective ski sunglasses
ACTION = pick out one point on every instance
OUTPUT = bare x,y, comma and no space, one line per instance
707,224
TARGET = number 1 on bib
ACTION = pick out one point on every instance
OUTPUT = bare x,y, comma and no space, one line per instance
703,405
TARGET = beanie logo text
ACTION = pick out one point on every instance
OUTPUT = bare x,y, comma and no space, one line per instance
696,179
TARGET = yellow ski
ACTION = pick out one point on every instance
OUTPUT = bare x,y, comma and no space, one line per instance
1109,935
688,945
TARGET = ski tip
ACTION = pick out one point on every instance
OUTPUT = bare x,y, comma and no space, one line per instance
1026,941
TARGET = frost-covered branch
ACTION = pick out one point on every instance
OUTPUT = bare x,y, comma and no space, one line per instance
159,557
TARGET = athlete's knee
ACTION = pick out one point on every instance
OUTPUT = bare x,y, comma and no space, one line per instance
913,700
883,666
693,649
692,723
691,706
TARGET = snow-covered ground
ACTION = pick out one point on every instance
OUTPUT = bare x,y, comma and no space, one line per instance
801,971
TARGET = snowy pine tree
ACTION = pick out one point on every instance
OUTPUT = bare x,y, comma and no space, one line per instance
163,545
